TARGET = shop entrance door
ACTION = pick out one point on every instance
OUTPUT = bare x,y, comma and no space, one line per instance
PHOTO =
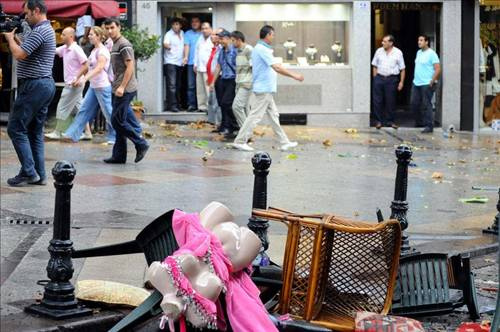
186,13
406,21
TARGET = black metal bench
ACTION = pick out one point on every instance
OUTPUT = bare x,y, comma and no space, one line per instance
424,284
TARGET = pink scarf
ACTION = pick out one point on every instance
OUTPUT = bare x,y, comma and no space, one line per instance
243,305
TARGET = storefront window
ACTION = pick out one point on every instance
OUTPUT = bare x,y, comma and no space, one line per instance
489,68
306,34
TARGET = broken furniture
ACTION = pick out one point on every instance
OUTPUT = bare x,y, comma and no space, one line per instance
424,284
334,267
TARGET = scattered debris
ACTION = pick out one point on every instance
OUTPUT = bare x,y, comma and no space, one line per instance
147,134
197,125
257,132
351,131
327,142
412,164
475,199
292,156
200,144
437,175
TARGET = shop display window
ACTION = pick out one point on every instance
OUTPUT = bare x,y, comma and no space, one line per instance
306,34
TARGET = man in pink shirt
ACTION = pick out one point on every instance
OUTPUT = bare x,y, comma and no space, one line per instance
69,103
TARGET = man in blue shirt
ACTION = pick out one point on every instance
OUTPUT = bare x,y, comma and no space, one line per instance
427,70
226,86
190,39
264,69
36,89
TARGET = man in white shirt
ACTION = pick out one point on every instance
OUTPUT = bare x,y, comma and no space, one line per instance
388,64
201,56
71,97
173,42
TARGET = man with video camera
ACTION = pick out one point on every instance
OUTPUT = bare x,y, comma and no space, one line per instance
36,88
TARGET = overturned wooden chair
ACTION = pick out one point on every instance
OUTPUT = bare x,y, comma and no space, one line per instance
334,267
424,284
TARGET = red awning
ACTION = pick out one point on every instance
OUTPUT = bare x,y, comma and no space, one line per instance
68,8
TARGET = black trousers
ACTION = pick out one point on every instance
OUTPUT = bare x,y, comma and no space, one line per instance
384,98
122,123
225,90
173,80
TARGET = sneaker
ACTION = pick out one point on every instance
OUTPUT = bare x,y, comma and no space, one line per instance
22,180
41,182
86,137
55,135
427,130
242,147
288,145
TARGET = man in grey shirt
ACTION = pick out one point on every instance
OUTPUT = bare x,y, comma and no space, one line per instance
124,89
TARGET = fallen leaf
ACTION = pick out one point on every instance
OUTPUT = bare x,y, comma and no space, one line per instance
292,156
200,144
327,142
475,199
257,132
163,149
437,175
147,134
356,213
351,130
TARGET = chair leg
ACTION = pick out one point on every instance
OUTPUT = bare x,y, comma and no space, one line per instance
139,313
469,289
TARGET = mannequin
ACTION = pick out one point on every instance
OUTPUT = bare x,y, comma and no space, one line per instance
289,45
337,52
239,244
311,53
202,280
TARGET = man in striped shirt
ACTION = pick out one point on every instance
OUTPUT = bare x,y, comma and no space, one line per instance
36,89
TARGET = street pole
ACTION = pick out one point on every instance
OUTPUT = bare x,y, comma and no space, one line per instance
493,229
399,206
261,162
59,300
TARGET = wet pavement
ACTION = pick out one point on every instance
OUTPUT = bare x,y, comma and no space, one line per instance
347,173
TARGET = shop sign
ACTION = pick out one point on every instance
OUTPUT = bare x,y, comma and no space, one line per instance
122,7
407,6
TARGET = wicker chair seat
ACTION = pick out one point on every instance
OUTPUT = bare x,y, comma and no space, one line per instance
334,267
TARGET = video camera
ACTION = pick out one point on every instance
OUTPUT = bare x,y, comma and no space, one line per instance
10,22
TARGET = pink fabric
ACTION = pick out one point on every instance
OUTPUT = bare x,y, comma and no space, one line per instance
100,80
243,305
73,60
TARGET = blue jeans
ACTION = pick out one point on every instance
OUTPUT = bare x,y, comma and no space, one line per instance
421,97
26,122
94,98
121,121
191,87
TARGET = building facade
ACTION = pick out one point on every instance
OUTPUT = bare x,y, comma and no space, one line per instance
332,43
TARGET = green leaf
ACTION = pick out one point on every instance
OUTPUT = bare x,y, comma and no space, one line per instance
292,156
145,45
475,199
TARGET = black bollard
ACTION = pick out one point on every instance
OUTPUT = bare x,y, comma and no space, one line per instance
59,300
399,206
493,229
261,162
